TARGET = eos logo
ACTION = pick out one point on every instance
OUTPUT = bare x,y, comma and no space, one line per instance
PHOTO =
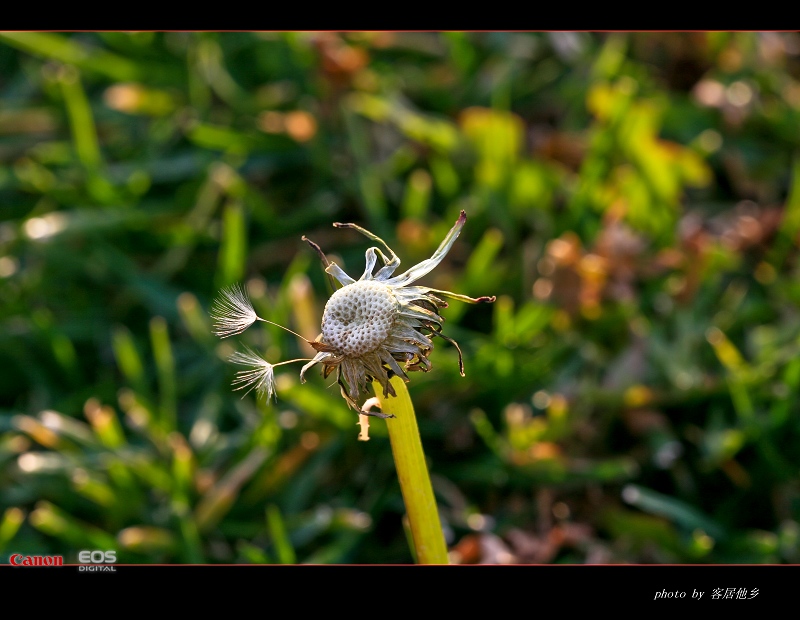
97,557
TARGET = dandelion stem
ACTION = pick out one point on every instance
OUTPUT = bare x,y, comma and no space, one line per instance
299,359
258,318
415,482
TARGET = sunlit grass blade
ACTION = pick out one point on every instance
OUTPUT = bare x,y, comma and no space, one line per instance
54,521
233,251
277,530
218,500
9,526
165,364
61,48
128,358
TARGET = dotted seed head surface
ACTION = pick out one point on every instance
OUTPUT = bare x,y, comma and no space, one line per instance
358,317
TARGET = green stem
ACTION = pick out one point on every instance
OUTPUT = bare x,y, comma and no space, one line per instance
415,483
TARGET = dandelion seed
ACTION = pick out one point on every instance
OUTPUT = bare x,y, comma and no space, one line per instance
232,312
260,376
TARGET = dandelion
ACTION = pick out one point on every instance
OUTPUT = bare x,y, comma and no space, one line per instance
377,328
370,326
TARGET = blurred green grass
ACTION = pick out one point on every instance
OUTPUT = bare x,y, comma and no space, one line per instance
632,200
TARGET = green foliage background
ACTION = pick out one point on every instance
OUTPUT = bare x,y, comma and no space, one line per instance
633,200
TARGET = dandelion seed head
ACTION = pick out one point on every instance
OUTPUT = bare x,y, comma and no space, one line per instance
359,317
373,325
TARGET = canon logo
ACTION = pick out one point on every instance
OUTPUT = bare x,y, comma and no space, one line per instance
17,559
